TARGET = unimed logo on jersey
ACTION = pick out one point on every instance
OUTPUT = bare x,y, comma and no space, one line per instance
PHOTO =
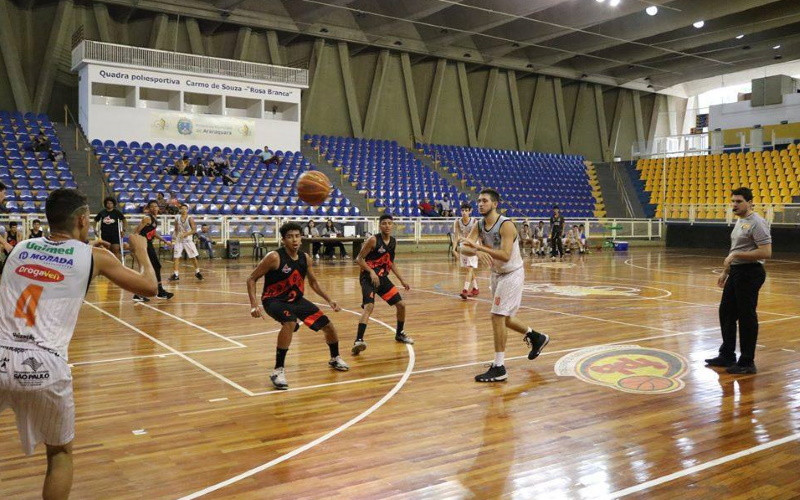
626,368
39,273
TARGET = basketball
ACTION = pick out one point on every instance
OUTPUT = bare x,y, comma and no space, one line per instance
313,187
646,383
466,251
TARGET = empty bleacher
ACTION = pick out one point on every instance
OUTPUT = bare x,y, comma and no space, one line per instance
387,173
529,182
136,172
708,180
29,176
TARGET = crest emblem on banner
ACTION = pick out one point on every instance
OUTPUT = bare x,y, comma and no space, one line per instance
185,126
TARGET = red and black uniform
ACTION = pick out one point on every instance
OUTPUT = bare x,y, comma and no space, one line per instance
380,259
149,232
283,293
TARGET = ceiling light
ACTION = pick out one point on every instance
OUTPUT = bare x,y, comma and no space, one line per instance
600,1
614,3
699,24
776,47
739,37
652,10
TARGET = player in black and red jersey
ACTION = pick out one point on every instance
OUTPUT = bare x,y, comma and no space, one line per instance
285,271
376,259
148,227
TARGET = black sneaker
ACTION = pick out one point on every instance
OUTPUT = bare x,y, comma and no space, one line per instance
721,362
174,277
737,369
536,341
403,338
494,374
198,275
165,295
139,299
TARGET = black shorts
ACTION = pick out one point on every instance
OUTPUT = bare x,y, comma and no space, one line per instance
301,309
386,290
113,239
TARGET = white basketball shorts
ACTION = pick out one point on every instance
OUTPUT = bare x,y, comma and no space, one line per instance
37,386
184,244
507,292
468,261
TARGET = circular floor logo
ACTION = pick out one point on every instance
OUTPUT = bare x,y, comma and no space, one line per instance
604,291
627,368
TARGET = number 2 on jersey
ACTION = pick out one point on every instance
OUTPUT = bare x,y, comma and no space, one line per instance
27,302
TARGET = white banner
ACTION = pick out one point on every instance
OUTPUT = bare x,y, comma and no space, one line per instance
201,127
195,83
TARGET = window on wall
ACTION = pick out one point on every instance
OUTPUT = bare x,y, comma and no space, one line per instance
107,94
159,99
239,106
202,104
283,111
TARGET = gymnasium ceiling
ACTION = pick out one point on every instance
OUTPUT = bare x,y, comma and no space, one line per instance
620,45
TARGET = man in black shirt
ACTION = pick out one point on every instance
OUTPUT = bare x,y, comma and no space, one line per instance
556,232
36,230
111,225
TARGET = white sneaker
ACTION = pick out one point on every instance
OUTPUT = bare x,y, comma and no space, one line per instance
278,379
338,364
358,347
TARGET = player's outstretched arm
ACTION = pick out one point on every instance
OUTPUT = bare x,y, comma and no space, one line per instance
268,263
141,283
314,284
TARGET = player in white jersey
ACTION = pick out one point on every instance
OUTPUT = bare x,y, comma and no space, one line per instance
461,229
539,239
498,237
41,294
182,234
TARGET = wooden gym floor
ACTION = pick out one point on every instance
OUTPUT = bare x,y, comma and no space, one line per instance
173,398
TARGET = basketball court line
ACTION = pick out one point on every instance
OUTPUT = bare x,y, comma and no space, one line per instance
144,356
253,334
172,349
643,283
556,312
201,328
631,264
704,466
358,418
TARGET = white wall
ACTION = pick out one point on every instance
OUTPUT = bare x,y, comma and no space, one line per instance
742,115
216,127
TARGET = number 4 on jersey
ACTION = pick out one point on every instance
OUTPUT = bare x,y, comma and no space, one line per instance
27,302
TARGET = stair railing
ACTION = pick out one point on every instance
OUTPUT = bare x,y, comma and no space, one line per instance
82,143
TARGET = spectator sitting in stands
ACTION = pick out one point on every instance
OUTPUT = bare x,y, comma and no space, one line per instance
428,209
205,240
173,204
525,238
12,238
222,166
55,156
41,143
268,157
311,231
446,210
331,231
2,197
161,202
36,230
180,166
199,169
